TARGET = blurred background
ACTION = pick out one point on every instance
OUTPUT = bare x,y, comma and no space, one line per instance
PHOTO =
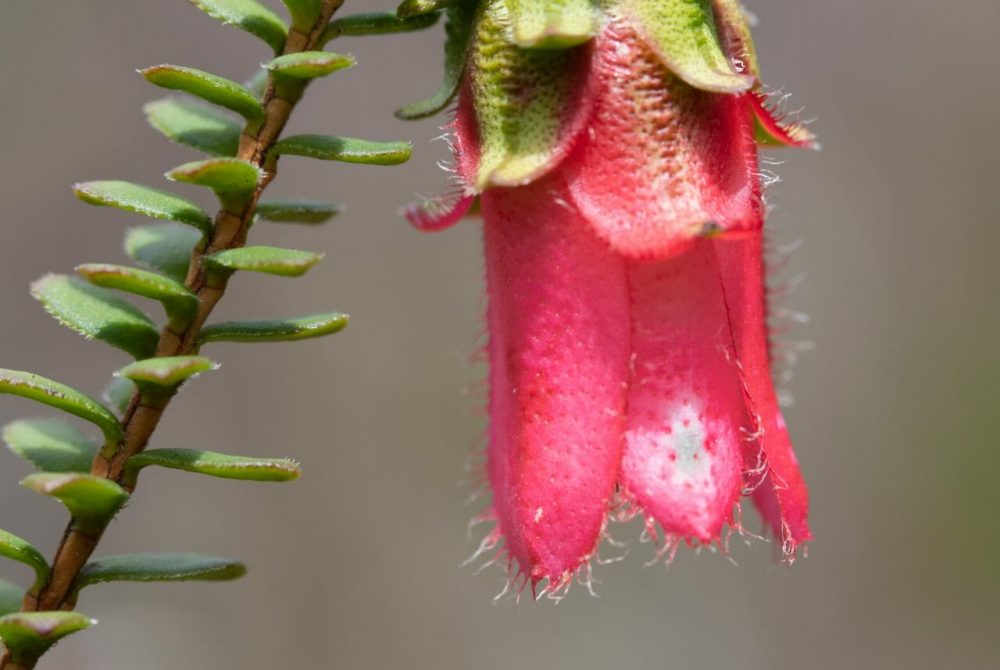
357,565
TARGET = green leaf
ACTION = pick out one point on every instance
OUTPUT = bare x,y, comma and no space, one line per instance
11,596
304,13
195,125
163,247
27,635
167,372
257,83
270,260
345,149
97,313
683,34
409,8
179,302
144,200
248,15
118,394
277,330
297,211
51,393
159,568
233,180
310,64
376,23
553,24
458,31
16,549
51,445
215,465
209,87
90,500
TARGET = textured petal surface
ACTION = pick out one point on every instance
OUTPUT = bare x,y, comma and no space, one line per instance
663,163
686,412
782,496
559,338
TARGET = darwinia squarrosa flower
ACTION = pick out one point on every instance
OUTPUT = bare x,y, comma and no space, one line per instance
612,147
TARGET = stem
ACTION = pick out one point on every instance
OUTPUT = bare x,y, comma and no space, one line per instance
139,421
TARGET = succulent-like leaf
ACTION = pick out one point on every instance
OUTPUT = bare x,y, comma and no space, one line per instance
61,397
97,313
167,372
344,149
270,260
683,34
553,24
11,596
233,180
409,8
51,445
178,301
297,211
28,635
167,567
195,125
144,200
458,29
118,394
310,64
163,247
22,551
90,500
277,330
304,13
257,83
377,23
213,464
209,87
248,15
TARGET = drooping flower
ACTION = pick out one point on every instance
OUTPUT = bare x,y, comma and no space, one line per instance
613,149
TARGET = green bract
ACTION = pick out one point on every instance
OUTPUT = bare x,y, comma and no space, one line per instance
553,24
16,549
90,500
458,30
233,180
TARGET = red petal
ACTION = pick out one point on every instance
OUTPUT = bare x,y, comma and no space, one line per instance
559,336
664,163
430,216
686,412
782,497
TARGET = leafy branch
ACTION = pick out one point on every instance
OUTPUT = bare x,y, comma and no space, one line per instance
187,264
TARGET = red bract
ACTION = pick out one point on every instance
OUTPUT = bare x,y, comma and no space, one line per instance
628,338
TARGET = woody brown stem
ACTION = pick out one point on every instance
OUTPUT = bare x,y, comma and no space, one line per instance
139,421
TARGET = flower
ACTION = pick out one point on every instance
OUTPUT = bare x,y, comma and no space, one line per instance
614,155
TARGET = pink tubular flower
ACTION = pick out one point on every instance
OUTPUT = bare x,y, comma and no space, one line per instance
613,148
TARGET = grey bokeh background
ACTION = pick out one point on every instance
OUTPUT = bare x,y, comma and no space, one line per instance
356,565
